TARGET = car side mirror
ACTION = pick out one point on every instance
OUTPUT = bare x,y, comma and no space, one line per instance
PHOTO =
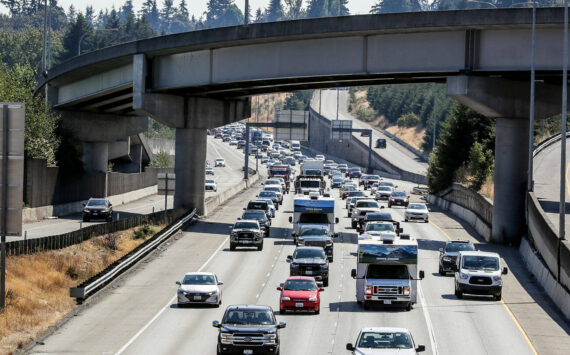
353,273
220,283
178,283
421,348
505,271
360,232
381,207
335,235
441,250
281,325
83,205
110,205
244,208
336,220
216,324
400,230
290,219
239,218
279,288
422,275
289,258
321,289
350,347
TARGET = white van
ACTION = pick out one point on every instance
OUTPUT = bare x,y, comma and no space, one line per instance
295,145
479,273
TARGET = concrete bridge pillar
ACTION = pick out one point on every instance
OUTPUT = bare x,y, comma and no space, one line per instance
508,102
190,165
96,157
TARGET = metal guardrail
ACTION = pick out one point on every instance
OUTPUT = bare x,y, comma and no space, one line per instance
90,286
547,143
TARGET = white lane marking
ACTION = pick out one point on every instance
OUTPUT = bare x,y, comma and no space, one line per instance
121,350
428,320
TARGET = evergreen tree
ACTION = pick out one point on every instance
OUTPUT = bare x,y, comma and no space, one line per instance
71,13
275,11
127,10
181,20
318,8
387,6
150,10
294,9
258,16
167,16
75,30
90,15
222,13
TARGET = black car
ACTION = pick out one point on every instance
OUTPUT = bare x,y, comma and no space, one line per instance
448,254
97,208
354,173
310,261
261,217
248,329
259,205
399,198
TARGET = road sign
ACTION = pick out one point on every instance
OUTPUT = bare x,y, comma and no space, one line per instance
285,122
166,183
341,129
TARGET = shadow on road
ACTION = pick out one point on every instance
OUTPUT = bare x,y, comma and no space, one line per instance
353,307
426,244
553,206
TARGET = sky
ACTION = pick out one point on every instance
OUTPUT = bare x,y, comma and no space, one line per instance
197,7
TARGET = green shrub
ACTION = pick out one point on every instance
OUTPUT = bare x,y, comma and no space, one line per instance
143,232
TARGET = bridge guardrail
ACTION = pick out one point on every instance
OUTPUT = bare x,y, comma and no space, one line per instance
93,284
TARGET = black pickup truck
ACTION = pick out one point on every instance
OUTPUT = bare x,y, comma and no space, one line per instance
310,261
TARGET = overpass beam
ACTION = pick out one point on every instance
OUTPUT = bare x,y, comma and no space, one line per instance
508,102
190,168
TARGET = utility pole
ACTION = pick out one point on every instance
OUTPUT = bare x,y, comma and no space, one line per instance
434,123
44,57
562,220
530,184
246,13
320,100
337,99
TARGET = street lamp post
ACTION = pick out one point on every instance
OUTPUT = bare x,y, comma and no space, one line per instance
530,185
562,217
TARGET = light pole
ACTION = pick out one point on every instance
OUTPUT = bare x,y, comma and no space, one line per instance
562,219
530,185
86,33
246,13
337,99
434,123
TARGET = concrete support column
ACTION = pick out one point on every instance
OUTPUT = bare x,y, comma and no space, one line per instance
96,157
511,165
190,168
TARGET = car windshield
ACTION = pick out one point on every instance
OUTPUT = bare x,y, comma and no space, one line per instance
387,272
313,232
199,280
390,340
245,225
272,182
455,247
309,253
219,159
260,216
378,217
369,204
356,194
300,285
96,203
374,177
398,194
267,194
210,181
269,201
272,188
417,206
317,218
349,188
474,262
248,316
384,188
380,227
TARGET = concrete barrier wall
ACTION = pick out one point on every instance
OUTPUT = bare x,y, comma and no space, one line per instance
407,146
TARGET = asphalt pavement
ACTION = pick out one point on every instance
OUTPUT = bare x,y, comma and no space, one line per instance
395,153
225,178
138,314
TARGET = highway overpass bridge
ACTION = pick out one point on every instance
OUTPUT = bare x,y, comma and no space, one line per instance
203,79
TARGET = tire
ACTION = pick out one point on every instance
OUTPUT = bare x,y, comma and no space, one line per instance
458,293
498,296
110,219
331,260
366,305
354,225
405,219
426,220
326,282
85,219
260,247
349,214
389,205
282,311
441,272
409,307
318,311
277,207
232,246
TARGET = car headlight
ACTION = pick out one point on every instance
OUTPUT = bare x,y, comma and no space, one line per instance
406,291
213,293
182,292
86,211
393,200
357,211
226,338
284,298
313,299
463,276
324,266
271,338
497,278
446,258
294,266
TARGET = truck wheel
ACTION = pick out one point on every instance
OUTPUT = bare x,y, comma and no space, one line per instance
498,296
349,214
260,247
458,293
365,305
354,225
318,311
232,246
441,272
409,307
326,282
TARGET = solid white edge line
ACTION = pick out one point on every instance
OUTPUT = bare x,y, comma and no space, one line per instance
428,320
132,340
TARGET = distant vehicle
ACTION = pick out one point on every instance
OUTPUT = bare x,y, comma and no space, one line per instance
210,185
199,288
398,198
309,261
277,190
479,273
270,205
361,208
448,254
356,193
336,182
261,205
383,192
210,171
253,322
312,167
388,183
261,217
241,144
417,211
233,142
381,143
97,208
317,236
383,340
295,145
246,233
354,172
343,168
300,293
365,133
320,157
345,189
220,162
351,201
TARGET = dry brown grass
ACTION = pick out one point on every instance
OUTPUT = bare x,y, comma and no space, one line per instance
38,285
488,189
413,136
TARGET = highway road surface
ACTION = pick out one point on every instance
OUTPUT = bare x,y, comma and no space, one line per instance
395,153
225,178
138,314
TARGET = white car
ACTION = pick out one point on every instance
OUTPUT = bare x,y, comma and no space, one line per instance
210,171
220,162
210,185
384,340
320,157
479,273
417,211
277,190
199,288
383,192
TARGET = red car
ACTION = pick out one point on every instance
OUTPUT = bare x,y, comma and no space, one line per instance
300,293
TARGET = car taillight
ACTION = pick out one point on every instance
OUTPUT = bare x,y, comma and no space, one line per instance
368,290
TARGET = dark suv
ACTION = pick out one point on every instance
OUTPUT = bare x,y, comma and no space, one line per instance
248,329
97,208
448,254
261,217
310,261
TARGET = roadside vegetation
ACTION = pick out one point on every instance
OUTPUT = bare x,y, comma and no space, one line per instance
38,285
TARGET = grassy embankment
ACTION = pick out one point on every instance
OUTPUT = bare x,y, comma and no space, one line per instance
38,285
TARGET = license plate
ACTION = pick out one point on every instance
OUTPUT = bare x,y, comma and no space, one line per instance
299,305
246,241
248,352
197,298
308,272
387,301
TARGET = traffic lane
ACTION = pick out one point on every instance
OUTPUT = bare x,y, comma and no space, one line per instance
245,273
394,152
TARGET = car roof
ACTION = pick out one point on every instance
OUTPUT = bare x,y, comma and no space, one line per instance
385,330
378,215
199,273
314,248
249,306
248,220
367,200
478,253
